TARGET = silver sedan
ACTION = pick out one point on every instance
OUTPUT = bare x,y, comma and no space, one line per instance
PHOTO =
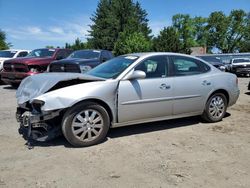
126,90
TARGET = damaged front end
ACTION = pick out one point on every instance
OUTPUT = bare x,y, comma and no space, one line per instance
38,126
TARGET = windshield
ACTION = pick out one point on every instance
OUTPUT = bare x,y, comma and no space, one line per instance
112,68
41,53
241,60
7,53
85,54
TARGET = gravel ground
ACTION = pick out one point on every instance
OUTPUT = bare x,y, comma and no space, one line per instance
175,153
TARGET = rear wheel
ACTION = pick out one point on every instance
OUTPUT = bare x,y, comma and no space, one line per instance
85,124
215,109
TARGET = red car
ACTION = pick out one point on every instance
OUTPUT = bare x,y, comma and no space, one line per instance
15,70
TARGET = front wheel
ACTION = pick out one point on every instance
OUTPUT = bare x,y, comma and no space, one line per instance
85,124
215,109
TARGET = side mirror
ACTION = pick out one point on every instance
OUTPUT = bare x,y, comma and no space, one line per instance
104,59
137,74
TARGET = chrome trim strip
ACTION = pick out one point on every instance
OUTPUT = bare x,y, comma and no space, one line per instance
159,99
187,97
148,100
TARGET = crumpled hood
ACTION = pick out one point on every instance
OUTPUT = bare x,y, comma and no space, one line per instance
35,85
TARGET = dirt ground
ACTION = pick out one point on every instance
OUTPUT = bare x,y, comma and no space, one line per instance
175,153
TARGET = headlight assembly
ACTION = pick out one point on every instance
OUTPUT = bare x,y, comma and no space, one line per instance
37,104
84,68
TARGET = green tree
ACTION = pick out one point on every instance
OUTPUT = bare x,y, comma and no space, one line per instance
167,41
131,43
3,44
77,45
101,34
113,17
244,44
227,32
49,46
200,31
184,25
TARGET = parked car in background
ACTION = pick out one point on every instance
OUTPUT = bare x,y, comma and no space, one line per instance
9,54
215,61
125,90
15,70
80,61
240,66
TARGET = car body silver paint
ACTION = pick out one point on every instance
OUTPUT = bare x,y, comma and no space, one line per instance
137,101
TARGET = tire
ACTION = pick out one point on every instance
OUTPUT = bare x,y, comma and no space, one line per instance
215,108
85,124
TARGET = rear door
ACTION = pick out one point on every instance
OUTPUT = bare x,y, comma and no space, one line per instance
192,84
147,98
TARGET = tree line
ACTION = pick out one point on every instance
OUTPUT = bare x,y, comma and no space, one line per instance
122,26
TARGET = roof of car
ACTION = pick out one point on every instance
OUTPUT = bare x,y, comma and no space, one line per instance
155,53
15,50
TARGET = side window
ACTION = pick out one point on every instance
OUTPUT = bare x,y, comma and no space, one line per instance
62,54
154,67
22,54
105,56
184,66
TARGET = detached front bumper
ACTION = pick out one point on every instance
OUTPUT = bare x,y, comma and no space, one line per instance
38,126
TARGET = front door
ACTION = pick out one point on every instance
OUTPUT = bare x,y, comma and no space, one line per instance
147,98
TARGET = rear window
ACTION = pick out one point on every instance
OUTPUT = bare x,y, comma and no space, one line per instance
85,54
41,53
7,53
184,66
241,60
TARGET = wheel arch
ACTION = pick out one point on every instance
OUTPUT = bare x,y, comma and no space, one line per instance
100,102
223,91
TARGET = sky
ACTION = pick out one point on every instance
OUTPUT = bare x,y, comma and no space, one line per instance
31,24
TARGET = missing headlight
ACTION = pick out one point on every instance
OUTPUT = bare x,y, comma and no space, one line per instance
37,104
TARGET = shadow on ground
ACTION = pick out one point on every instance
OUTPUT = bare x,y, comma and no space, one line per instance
247,93
132,130
9,87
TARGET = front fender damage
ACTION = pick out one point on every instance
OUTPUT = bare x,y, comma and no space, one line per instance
40,116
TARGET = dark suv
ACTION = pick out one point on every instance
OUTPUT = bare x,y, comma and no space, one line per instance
80,61
215,61
36,61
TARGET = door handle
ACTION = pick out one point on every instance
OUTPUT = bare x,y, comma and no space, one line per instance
206,83
164,86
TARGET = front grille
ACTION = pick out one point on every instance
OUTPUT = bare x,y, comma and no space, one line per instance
64,68
20,67
7,67
15,67
243,69
241,66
